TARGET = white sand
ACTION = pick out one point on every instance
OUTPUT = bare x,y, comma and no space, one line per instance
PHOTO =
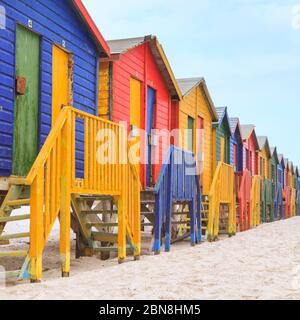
259,264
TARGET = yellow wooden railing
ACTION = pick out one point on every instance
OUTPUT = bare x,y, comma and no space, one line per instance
53,180
293,202
255,201
221,192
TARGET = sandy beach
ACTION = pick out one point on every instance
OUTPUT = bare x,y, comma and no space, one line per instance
263,263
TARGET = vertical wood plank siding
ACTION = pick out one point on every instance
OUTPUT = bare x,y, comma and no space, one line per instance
194,105
140,64
55,21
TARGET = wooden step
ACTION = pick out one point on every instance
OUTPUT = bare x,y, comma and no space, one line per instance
147,201
15,236
148,213
15,218
18,203
102,224
105,237
94,198
20,253
17,181
88,212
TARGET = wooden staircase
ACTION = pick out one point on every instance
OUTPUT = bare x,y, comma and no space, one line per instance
54,189
17,197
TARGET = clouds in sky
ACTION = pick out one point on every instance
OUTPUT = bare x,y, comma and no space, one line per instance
246,49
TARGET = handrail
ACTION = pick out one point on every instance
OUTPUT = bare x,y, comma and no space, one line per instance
167,190
298,203
255,201
221,192
53,180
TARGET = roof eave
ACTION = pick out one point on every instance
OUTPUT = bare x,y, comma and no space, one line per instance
158,50
96,34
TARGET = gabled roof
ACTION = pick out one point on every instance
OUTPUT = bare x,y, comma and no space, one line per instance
286,163
222,113
297,171
187,84
274,154
122,46
263,142
234,126
92,27
281,160
291,166
247,130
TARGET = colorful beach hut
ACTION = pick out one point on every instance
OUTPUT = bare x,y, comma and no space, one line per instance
264,162
250,163
242,177
194,118
250,149
222,197
291,183
197,112
287,191
49,105
276,185
138,87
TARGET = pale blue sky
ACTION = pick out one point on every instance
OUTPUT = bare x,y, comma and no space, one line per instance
247,50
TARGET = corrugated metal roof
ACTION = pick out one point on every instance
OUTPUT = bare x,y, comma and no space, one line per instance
280,157
187,84
274,153
262,140
246,130
233,124
221,113
291,165
122,45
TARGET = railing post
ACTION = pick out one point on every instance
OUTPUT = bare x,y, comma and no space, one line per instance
122,207
65,195
36,226
158,223
137,221
168,196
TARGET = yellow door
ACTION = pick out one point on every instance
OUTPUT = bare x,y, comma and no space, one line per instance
60,81
135,120
223,159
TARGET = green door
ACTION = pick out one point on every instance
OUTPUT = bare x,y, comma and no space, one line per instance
26,102
191,134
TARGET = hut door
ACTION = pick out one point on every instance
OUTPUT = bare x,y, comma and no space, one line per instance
223,158
25,146
151,99
60,81
135,120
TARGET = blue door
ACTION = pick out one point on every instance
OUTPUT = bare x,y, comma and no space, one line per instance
149,126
